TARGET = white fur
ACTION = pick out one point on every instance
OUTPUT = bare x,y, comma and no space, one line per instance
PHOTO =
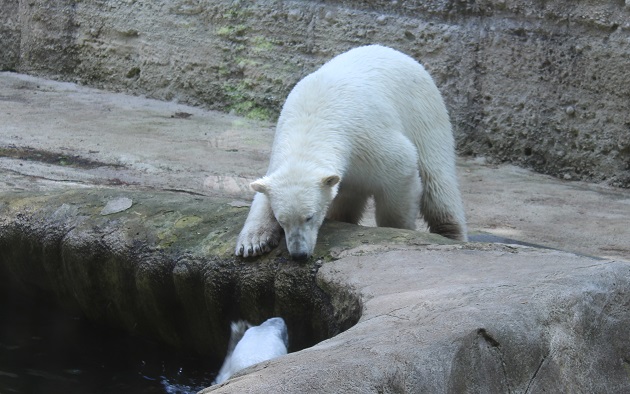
251,345
370,122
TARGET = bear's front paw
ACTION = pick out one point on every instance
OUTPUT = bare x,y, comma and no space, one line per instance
257,241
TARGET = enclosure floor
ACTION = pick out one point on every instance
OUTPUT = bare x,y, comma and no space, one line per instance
59,135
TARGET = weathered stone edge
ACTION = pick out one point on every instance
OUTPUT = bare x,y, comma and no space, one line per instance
165,266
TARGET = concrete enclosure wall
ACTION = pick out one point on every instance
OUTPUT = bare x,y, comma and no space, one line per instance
540,83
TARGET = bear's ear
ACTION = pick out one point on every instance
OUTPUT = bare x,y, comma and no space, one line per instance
260,185
331,180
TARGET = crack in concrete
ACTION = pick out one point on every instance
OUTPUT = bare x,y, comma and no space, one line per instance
50,157
531,381
497,345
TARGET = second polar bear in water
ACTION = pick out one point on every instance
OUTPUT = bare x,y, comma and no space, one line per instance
251,345
370,122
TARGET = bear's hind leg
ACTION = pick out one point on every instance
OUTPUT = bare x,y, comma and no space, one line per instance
348,206
444,218
398,203
261,231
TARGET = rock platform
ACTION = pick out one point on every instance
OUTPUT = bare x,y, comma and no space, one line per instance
128,208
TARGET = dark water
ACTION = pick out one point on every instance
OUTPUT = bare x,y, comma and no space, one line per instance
46,350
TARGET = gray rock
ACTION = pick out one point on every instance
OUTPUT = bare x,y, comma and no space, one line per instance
378,310
117,205
462,320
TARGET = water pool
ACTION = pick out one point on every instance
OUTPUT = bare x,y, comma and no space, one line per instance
44,349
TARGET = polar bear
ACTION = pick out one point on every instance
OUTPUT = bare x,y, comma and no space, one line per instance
251,345
370,122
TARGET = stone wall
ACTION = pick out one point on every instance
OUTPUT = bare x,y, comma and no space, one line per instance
543,84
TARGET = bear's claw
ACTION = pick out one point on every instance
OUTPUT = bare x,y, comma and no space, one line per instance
251,246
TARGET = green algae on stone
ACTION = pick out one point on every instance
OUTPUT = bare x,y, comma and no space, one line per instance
187,221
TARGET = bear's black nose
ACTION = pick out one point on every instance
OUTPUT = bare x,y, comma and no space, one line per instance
299,256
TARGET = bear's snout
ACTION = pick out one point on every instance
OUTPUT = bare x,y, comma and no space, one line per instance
299,256
298,246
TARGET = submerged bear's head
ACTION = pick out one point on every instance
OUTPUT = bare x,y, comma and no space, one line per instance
299,200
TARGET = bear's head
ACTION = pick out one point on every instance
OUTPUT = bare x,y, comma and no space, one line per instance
299,201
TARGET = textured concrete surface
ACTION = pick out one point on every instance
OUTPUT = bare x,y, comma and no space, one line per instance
542,84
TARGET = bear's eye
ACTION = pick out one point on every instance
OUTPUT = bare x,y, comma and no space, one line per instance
308,218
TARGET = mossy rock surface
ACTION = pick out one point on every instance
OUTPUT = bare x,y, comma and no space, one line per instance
165,266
